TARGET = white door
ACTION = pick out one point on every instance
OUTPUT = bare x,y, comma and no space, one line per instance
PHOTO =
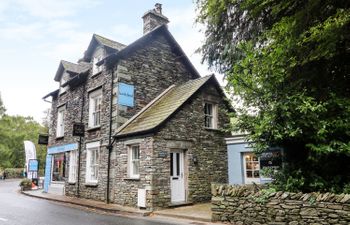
251,168
177,177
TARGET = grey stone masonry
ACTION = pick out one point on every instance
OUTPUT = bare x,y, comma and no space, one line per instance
184,130
247,205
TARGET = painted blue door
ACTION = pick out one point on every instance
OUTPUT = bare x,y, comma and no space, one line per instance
47,173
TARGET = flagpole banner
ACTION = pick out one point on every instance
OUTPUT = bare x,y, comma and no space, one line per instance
30,153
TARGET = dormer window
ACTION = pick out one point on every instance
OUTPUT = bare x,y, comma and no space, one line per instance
64,79
95,68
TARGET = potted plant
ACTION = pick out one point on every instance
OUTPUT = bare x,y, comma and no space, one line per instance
26,184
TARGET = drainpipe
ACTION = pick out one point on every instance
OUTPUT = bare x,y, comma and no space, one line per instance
80,138
110,142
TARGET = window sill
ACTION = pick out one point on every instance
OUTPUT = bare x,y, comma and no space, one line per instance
93,128
96,74
92,184
60,137
132,178
212,129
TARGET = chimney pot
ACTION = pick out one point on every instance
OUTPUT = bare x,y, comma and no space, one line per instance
158,8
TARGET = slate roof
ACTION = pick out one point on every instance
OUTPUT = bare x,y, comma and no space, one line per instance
98,39
160,109
144,40
108,42
70,67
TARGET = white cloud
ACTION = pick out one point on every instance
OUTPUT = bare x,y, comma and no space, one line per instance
22,32
49,9
124,33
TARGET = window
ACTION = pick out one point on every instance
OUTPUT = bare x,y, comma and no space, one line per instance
251,168
73,166
210,115
92,159
60,121
64,79
95,101
134,161
95,68
59,167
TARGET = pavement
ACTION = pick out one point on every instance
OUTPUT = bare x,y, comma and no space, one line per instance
197,212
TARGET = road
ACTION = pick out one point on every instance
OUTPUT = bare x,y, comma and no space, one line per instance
18,209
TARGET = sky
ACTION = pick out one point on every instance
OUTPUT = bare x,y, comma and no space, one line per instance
36,34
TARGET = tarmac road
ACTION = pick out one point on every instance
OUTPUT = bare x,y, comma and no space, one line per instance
18,209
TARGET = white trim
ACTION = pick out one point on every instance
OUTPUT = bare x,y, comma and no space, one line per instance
93,97
72,175
132,161
237,139
95,144
61,111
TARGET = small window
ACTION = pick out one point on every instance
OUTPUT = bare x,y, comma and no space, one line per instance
60,121
251,168
95,102
134,161
210,115
92,162
95,68
73,166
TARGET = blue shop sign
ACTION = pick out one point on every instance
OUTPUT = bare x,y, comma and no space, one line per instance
126,94
62,148
33,165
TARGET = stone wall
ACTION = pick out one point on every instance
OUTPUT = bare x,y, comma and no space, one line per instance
185,130
248,205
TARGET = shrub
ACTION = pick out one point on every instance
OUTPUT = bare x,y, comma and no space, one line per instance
26,183
14,173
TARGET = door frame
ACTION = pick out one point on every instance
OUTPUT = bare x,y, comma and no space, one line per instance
184,174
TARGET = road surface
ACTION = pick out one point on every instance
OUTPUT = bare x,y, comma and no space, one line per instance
18,209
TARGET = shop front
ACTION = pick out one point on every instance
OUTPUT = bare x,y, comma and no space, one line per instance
244,166
57,166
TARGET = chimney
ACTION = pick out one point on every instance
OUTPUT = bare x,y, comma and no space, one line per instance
153,18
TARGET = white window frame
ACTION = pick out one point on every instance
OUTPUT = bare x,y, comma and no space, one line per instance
95,68
254,166
92,162
210,115
61,111
95,99
132,161
73,166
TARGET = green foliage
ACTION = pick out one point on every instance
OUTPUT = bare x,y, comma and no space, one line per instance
289,63
264,195
13,131
2,107
14,172
26,183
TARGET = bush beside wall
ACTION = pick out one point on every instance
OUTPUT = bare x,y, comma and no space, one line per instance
249,205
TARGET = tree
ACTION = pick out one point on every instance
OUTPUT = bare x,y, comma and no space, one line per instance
13,131
289,63
2,107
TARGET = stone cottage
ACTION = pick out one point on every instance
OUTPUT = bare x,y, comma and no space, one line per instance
136,124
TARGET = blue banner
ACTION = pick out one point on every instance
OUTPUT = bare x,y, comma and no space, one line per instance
33,165
62,148
47,173
125,94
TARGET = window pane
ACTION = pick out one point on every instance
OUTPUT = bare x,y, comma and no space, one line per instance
249,174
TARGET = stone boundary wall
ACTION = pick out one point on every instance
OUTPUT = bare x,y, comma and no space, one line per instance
252,205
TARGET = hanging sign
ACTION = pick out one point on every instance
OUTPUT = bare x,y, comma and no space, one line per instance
78,129
33,165
125,94
271,159
43,139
